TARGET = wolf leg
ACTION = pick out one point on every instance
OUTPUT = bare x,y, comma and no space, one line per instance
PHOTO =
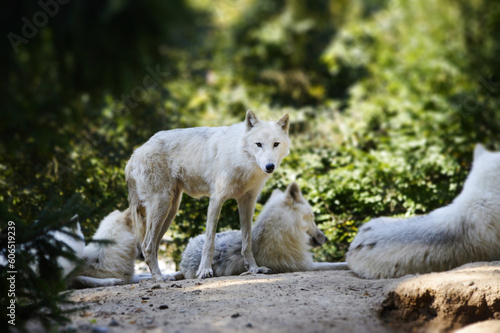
330,266
166,277
91,282
177,276
205,268
174,207
157,211
246,208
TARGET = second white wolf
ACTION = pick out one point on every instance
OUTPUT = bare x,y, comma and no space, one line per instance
465,231
103,264
282,238
111,261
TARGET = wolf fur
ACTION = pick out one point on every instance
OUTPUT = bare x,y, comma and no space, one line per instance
105,264
218,162
465,231
75,241
281,240
114,260
73,238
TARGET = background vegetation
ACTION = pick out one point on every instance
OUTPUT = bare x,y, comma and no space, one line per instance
387,99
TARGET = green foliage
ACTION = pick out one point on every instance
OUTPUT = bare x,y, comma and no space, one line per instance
386,99
408,128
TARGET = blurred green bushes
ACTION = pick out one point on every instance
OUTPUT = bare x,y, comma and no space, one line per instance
386,98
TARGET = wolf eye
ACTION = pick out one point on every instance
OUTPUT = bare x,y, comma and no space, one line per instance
259,144
276,144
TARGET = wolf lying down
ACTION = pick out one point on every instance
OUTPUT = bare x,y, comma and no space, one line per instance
465,231
104,264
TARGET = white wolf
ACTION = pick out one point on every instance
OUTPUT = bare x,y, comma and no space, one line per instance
85,275
465,231
281,240
103,264
109,264
219,162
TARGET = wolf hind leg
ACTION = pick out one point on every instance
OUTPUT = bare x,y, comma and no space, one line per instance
176,201
160,211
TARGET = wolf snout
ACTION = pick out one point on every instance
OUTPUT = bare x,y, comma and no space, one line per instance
318,240
269,167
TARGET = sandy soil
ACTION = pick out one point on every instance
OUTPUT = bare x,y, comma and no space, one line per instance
336,301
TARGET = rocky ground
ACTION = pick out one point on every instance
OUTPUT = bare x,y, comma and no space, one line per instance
336,301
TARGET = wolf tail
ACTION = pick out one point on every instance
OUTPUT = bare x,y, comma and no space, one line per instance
137,211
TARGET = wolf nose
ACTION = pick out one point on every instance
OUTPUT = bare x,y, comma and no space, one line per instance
269,168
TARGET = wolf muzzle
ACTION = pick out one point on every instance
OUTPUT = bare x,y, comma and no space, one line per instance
317,240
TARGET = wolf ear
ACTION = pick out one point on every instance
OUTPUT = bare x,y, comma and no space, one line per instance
293,193
251,119
479,150
284,123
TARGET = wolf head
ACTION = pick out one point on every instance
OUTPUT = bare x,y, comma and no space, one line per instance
299,213
484,176
267,141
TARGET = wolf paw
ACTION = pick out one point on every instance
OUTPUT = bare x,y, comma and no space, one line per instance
113,282
168,277
259,270
205,273
160,278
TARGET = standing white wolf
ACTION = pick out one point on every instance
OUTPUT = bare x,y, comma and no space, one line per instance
282,238
218,162
465,231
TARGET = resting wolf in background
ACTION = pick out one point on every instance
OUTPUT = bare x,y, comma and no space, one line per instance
465,231
113,261
82,276
218,162
104,264
281,240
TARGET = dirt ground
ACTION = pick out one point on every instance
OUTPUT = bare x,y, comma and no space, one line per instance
334,301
